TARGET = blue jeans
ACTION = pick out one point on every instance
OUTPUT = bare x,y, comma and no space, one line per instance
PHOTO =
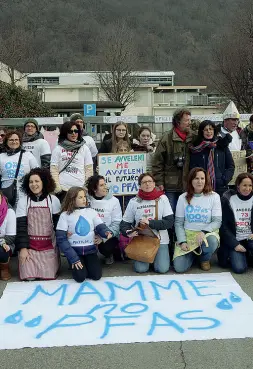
184,262
161,262
173,198
239,259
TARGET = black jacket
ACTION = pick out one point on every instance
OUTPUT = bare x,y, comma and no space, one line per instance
106,147
223,162
228,227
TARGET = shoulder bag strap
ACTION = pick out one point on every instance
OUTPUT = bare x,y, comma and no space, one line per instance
69,161
18,167
156,209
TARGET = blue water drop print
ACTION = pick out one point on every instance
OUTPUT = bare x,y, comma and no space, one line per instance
234,298
82,227
34,322
14,318
224,304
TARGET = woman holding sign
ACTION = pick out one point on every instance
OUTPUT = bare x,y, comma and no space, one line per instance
146,144
142,209
109,211
197,222
119,140
237,228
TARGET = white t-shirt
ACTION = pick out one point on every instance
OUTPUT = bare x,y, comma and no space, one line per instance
242,212
91,145
81,223
109,210
74,174
8,166
38,148
24,203
136,210
236,143
199,213
8,228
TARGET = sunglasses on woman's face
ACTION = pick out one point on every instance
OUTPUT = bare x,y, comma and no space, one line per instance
71,131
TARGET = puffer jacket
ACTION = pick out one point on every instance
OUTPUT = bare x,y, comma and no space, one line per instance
164,167
224,166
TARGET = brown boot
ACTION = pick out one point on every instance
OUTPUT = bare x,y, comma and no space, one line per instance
5,274
205,265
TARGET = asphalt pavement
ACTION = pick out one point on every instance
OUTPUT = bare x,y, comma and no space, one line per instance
212,354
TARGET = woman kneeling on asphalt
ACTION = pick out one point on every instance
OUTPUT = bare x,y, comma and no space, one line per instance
197,222
237,229
142,209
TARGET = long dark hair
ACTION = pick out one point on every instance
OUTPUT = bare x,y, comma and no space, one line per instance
200,137
69,202
65,129
190,190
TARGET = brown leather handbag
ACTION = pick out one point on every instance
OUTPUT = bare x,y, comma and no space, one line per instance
144,247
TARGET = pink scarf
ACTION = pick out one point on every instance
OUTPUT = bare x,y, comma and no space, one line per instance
3,210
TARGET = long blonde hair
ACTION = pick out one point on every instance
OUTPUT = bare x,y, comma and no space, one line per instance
114,137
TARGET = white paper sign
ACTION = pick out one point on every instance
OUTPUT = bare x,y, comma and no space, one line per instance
121,118
121,172
123,310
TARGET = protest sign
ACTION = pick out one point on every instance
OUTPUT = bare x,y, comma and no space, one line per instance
240,164
121,171
123,310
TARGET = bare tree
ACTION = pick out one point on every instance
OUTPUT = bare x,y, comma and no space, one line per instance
16,54
232,72
117,60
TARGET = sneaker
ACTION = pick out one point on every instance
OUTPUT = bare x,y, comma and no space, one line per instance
109,260
205,265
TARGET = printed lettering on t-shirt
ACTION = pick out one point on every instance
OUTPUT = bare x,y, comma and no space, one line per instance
196,214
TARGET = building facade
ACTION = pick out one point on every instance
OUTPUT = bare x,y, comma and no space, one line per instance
156,94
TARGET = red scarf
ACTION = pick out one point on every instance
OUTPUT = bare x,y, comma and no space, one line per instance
3,210
182,135
153,195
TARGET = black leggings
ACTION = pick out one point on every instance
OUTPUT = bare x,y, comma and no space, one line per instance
91,268
107,248
4,256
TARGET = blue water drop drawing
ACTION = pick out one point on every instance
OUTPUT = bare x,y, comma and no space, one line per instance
34,322
82,227
14,318
224,304
234,298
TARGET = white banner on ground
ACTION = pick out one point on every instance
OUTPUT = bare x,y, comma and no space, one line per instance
121,171
123,310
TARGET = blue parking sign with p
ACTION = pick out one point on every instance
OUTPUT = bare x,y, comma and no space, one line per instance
89,110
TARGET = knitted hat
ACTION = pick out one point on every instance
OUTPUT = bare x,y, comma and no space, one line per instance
76,116
231,112
34,121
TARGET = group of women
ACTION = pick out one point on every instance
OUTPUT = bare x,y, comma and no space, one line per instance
68,211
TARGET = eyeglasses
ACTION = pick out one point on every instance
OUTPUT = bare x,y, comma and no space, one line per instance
2,135
13,140
71,131
147,182
30,126
120,130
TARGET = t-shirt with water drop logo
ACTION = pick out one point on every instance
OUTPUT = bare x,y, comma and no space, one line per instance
81,225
